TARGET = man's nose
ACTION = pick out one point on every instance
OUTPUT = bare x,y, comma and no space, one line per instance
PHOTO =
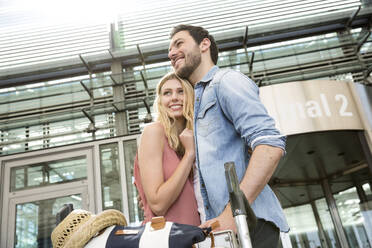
171,54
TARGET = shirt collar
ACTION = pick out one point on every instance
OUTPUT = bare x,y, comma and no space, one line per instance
208,77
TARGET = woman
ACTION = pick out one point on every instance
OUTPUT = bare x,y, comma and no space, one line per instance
166,155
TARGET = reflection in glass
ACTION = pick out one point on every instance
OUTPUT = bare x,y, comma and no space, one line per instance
35,221
110,176
352,220
135,212
367,189
325,218
366,211
47,173
304,231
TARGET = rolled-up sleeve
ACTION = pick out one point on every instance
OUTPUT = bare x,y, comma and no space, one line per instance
239,99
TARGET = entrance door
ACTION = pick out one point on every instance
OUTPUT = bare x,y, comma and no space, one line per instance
32,219
38,187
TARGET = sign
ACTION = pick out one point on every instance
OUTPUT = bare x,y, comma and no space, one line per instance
310,106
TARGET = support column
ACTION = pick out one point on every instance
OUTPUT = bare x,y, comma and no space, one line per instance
324,241
121,124
336,219
366,150
360,191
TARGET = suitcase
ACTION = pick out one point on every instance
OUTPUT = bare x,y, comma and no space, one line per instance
225,239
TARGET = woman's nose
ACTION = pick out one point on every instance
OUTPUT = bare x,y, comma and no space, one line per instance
174,96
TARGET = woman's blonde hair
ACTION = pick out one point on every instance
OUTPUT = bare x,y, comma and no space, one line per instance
169,122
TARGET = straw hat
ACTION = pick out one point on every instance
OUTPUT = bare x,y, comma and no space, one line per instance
80,226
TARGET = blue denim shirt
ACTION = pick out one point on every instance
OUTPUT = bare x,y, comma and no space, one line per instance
228,119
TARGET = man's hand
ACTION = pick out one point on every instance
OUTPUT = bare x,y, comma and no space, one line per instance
225,220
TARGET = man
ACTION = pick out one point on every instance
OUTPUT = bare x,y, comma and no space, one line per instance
229,121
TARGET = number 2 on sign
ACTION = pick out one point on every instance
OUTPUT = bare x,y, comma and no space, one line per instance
344,104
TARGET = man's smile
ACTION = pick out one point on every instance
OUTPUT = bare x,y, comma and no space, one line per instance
177,61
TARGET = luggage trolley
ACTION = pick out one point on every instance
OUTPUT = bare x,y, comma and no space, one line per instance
242,213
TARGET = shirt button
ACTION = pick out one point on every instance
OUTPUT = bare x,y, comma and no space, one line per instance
203,185
197,99
207,207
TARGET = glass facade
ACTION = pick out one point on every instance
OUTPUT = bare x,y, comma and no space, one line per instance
135,212
62,112
48,173
110,177
356,221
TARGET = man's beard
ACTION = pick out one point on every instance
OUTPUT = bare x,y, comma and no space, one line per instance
191,63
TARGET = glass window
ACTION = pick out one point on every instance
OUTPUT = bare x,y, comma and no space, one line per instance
367,189
352,219
304,231
47,173
135,212
110,176
35,221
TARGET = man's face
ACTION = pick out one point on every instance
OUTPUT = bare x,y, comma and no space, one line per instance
184,54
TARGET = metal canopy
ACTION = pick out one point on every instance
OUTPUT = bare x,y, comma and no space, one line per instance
297,180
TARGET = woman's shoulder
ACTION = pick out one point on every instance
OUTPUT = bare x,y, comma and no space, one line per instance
154,130
154,127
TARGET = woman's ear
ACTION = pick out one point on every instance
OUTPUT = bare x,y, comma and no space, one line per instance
205,44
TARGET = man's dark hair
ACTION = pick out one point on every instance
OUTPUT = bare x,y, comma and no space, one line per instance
198,34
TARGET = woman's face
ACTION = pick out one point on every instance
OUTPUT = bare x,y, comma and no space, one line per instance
171,98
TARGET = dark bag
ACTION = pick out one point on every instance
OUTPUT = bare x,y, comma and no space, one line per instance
157,233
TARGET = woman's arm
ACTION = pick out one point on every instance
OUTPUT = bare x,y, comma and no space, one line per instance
161,194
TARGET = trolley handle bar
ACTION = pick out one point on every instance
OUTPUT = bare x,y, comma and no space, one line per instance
238,201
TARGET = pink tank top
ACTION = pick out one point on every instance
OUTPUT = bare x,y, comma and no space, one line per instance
184,210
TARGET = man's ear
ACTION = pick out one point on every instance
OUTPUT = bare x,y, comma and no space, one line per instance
205,44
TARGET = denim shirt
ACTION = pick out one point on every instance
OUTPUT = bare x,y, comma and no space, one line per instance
228,119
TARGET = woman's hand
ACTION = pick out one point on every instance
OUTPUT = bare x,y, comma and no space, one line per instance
187,140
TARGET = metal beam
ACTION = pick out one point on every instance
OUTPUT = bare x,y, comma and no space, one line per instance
114,80
277,182
259,82
145,83
245,39
349,170
112,55
366,150
88,116
141,56
251,65
352,17
362,41
367,72
85,64
116,108
86,89
362,195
